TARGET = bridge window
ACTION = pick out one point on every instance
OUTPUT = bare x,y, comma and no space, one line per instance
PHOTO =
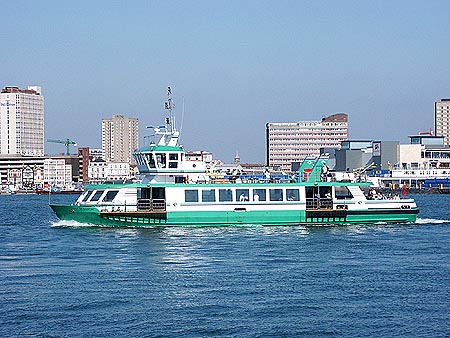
161,160
191,195
150,160
173,160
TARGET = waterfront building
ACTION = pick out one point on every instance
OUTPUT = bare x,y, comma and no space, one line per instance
289,142
83,160
201,155
118,171
22,121
120,138
57,172
442,119
10,164
97,171
101,171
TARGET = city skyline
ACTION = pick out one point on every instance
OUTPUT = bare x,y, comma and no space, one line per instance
233,66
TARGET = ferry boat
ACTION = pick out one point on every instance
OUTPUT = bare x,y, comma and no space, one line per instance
175,191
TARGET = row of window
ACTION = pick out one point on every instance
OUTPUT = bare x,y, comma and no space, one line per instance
94,196
240,195
158,160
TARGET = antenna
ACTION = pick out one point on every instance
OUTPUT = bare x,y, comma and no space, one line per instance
182,117
170,106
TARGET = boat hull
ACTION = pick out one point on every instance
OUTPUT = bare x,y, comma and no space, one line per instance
92,215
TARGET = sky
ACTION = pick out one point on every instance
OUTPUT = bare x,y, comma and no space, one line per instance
232,65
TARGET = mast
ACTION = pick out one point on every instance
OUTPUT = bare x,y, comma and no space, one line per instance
170,134
170,106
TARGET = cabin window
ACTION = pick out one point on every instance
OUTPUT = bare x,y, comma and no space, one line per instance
96,196
292,195
209,195
173,160
87,195
242,195
158,193
110,195
276,194
259,195
225,195
161,160
144,193
342,193
150,160
191,195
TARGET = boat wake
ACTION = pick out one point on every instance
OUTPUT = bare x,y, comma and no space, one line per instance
70,224
431,221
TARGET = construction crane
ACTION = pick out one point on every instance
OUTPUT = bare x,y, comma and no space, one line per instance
66,142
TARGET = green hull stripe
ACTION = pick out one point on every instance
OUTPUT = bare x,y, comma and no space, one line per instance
92,215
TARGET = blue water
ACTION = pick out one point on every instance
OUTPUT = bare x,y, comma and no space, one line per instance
60,279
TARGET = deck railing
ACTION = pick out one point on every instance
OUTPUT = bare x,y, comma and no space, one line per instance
148,204
319,203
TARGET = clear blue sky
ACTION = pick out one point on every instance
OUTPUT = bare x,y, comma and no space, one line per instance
237,64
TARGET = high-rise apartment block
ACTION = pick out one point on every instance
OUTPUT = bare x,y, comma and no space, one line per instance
289,142
22,121
120,138
442,119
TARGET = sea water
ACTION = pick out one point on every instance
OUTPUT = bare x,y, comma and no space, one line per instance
65,279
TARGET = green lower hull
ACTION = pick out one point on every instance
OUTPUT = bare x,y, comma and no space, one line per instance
91,215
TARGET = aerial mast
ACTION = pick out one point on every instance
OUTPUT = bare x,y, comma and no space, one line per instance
169,105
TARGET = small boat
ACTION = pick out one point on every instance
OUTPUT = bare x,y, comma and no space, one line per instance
174,191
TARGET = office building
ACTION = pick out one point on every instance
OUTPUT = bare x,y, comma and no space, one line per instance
120,138
442,119
289,142
22,121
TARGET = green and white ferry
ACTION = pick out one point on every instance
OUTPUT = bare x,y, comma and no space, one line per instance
174,191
